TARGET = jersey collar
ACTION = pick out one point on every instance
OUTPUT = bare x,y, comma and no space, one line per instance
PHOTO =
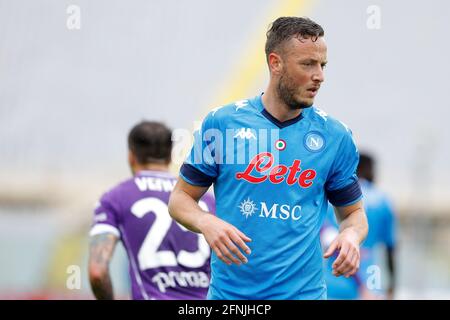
257,101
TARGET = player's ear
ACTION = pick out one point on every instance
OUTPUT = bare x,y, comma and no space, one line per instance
275,63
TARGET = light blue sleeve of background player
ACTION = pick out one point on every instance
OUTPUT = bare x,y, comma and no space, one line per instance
389,225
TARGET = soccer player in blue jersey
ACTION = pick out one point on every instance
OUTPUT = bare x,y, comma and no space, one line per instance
275,161
166,261
382,225
382,221
382,229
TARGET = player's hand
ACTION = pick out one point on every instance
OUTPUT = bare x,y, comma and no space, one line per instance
347,262
225,239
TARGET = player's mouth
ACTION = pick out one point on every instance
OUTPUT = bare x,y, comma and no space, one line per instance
313,91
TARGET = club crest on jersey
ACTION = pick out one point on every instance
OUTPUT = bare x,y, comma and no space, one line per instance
280,144
314,141
262,168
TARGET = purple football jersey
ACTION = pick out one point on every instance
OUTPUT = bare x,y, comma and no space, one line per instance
166,260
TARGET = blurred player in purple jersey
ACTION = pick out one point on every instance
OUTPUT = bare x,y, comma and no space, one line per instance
166,261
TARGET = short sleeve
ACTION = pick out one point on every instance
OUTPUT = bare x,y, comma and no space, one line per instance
342,185
105,217
201,166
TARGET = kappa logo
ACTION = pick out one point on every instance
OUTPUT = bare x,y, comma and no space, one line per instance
241,104
321,113
245,133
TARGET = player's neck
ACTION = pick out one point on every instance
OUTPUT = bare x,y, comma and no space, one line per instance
276,107
150,167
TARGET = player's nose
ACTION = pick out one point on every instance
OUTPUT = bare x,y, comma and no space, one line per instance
318,75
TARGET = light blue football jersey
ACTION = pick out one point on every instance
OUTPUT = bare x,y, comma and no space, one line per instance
380,217
382,232
272,180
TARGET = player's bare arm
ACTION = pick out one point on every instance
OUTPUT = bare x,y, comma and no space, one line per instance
223,238
101,250
352,232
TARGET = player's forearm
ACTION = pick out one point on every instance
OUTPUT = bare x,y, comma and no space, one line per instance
102,287
100,254
184,209
355,222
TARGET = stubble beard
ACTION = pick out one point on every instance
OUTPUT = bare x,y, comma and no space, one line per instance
286,93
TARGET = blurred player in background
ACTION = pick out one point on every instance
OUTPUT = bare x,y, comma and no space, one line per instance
340,288
382,222
275,197
382,229
166,261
